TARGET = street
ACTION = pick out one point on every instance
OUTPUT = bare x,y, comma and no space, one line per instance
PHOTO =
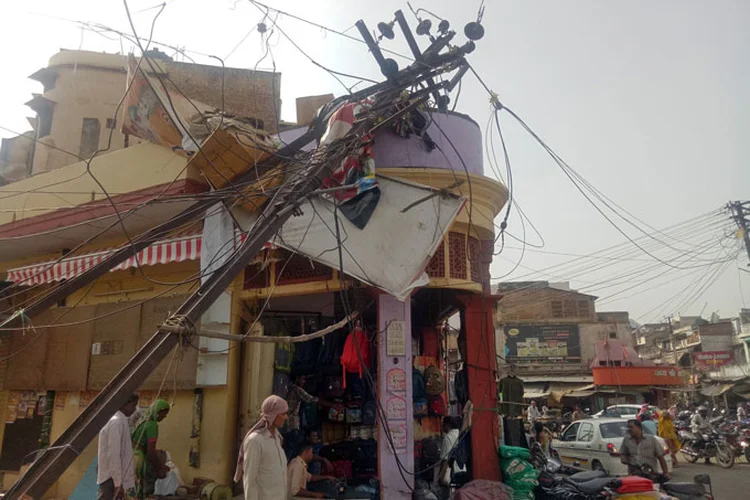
728,484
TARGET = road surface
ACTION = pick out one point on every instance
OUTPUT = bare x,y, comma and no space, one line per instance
728,484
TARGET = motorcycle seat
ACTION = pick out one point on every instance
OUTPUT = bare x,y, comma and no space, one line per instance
683,488
595,486
588,475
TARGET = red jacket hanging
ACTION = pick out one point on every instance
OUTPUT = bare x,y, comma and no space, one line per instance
350,359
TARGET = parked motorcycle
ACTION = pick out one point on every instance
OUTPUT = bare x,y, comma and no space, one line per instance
682,491
708,446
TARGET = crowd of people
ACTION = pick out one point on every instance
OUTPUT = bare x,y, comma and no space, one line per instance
129,463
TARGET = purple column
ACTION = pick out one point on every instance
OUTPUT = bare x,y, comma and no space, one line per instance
394,392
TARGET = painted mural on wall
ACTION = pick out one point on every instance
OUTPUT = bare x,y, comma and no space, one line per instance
542,343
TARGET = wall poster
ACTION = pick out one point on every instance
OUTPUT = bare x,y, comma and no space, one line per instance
542,343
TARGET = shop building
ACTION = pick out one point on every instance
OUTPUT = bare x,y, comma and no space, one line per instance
550,333
216,386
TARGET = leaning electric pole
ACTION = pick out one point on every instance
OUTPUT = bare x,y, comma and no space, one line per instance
402,91
740,211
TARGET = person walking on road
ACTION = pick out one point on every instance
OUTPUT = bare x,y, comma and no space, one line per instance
116,471
640,449
261,465
668,433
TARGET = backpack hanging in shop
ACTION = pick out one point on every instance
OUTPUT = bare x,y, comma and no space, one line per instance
417,385
433,380
436,406
350,358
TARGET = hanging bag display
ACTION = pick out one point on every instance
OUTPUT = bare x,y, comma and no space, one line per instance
356,355
433,380
436,406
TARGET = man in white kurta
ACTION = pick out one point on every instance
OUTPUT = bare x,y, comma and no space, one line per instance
115,471
264,466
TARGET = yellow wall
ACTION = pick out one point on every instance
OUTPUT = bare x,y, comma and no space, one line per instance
218,431
132,169
81,92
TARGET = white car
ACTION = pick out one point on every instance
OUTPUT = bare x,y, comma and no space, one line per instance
622,411
595,444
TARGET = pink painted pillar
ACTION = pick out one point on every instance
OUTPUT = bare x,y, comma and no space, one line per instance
394,393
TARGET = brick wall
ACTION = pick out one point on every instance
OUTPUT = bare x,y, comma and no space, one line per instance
246,93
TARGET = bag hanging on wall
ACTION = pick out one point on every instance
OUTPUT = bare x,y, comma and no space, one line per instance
337,413
436,406
283,357
366,457
309,413
342,468
431,450
433,380
356,355
354,414
461,386
421,408
417,385
369,413
333,387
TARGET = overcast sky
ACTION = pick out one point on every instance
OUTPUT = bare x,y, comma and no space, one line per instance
647,100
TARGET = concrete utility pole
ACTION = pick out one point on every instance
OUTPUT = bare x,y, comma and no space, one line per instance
740,211
53,461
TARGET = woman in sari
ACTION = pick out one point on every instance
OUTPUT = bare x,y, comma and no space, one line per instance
668,433
145,454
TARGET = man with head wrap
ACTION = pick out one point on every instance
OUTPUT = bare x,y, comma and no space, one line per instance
261,465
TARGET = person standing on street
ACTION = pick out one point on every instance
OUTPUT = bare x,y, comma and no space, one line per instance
578,414
532,414
116,472
641,449
668,433
741,412
261,465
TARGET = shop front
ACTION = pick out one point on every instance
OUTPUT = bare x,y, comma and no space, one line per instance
638,384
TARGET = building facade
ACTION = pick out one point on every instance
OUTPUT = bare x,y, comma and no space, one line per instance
216,386
550,334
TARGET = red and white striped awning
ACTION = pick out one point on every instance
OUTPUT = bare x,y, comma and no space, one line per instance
177,249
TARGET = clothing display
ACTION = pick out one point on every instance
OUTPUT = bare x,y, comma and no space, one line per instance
356,353
331,404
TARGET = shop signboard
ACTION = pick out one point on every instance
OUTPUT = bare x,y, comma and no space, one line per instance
542,343
713,359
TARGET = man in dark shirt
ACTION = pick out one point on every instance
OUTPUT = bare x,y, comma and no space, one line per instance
641,449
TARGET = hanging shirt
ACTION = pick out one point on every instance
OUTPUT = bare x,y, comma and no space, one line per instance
264,467
116,453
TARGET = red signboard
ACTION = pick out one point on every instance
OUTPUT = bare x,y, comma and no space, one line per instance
658,376
713,358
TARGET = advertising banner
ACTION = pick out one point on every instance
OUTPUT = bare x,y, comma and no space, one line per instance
542,344
713,358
